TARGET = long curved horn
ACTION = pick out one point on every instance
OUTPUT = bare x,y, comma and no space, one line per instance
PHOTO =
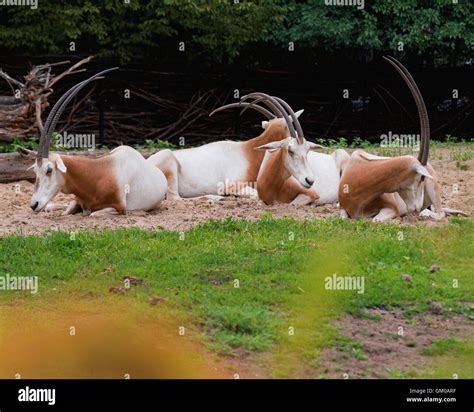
420,104
254,104
295,119
57,110
275,103
274,108
44,144
246,106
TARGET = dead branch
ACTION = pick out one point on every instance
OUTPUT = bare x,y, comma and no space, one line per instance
22,117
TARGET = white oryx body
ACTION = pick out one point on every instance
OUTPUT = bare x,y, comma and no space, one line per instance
145,186
219,168
327,171
111,184
204,170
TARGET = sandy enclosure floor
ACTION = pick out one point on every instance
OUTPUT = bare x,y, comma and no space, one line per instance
17,217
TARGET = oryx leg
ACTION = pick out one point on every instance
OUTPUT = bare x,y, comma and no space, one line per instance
385,207
245,191
169,165
302,200
105,212
454,212
432,197
386,213
432,192
73,208
343,214
50,207
297,195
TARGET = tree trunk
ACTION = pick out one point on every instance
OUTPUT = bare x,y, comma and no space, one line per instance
13,166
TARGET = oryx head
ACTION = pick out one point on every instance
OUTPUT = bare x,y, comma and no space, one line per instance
295,158
49,167
295,148
414,194
49,180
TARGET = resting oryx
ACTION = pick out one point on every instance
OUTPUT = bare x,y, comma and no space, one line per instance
290,173
111,184
385,187
219,168
226,167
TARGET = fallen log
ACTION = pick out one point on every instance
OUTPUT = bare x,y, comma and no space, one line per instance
13,166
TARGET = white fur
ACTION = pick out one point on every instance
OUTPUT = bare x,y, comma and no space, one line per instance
142,186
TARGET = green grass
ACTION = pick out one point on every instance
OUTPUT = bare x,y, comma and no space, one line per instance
279,267
442,346
461,148
452,358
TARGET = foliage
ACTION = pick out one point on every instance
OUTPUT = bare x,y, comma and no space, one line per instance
155,144
31,144
115,28
217,31
437,28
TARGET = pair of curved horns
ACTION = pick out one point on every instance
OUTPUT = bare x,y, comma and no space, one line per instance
57,110
276,107
420,104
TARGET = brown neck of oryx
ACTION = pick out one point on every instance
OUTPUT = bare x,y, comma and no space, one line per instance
90,179
272,177
273,133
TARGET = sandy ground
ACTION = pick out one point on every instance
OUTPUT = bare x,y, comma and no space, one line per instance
16,215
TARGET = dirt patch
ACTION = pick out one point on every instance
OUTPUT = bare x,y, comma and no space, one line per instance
370,348
16,215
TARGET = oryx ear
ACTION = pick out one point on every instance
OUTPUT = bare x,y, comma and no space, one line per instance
314,146
271,147
26,152
264,124
299,113
421,170
60,165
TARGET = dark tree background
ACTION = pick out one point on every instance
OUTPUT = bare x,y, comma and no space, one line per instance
181,58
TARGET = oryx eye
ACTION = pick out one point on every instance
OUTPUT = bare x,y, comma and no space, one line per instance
291,152
49,169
